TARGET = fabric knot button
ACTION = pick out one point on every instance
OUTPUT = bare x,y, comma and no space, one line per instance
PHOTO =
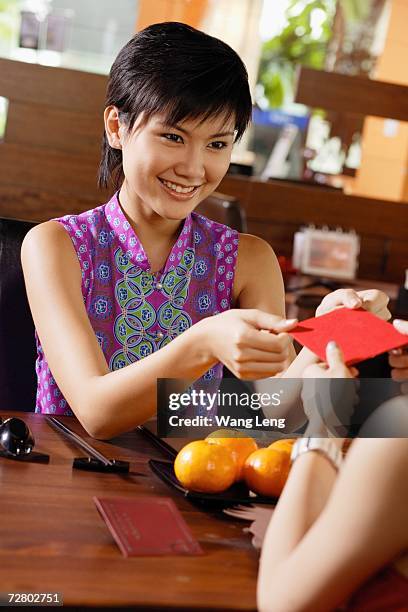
159,335
159,286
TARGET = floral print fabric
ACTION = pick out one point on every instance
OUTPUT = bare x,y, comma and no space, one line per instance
134,312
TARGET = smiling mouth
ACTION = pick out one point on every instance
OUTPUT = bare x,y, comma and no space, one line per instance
187,190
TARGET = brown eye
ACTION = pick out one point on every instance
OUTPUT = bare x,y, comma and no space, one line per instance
172,137
218,144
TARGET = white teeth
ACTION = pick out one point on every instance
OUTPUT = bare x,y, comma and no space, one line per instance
177,188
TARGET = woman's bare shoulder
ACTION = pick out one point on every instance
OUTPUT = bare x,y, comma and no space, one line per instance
45,233
44,238
47,250
254,245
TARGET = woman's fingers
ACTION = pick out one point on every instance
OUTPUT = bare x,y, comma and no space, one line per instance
351,299
334,355
337,299
398,358
398,361
399,374
401,326
254,355
376,301
316,370
263,320
372,300
266,341
254,370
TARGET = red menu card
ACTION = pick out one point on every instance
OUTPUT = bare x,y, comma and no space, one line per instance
147,526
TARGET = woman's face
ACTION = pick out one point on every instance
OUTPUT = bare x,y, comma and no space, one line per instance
169,170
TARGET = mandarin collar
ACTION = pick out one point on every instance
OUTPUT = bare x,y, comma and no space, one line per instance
131,245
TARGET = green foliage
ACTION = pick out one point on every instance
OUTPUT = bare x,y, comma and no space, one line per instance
6,5
297,43
8,13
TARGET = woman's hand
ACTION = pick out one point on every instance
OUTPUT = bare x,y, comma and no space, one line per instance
334,368
251,343
329,408
398,358
370,299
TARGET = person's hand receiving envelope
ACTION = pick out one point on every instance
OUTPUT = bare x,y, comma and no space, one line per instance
372,300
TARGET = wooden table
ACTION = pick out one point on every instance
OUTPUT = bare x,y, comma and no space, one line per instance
53,539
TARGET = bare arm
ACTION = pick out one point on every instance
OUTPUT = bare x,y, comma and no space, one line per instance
327,536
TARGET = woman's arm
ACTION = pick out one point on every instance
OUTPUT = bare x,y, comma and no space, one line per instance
108,403
327,536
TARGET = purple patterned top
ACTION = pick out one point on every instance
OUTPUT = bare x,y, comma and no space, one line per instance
132,311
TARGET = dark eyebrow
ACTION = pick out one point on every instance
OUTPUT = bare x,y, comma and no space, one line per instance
180,129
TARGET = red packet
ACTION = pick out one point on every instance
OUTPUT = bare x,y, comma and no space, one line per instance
360,334
146,526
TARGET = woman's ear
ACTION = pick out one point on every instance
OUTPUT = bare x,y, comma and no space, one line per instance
112,126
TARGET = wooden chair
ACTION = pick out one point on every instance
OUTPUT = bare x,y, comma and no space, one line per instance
17,343
224,209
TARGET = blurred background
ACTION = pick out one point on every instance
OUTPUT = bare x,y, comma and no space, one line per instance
366,38
321,174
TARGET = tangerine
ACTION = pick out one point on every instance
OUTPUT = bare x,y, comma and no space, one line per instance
240,445
285,444
204,467
266,471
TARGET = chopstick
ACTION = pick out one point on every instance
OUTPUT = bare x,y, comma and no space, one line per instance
161,444
76,439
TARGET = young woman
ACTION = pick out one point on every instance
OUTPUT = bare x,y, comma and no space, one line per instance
141,287
340,538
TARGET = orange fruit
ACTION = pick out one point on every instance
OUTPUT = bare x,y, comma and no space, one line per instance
266,471
206,468
285,444
240,446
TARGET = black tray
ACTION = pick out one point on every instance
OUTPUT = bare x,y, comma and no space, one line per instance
238,493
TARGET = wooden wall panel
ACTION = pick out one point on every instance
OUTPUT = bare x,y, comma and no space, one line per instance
397,260
57,87
45,169
51,149
20,202
373,258
287,202
275,210
36,125
351,94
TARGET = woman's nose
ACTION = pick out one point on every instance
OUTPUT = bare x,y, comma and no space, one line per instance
190,165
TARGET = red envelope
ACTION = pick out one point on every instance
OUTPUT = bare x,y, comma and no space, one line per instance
147,526
360,334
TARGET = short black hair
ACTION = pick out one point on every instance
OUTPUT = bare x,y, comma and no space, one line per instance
175,70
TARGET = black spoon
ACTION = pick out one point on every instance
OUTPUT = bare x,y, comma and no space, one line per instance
16,437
